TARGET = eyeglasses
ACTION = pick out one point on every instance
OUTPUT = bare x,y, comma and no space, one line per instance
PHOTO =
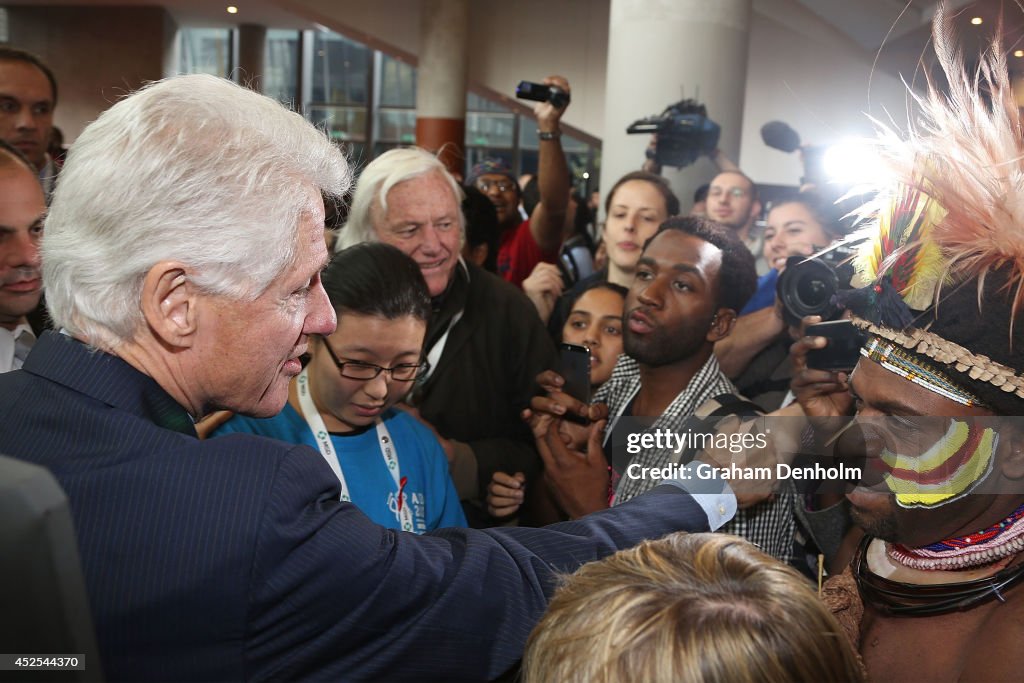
737,192
502,185
364,372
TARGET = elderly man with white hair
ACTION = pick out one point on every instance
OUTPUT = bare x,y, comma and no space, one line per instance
182,261
485,342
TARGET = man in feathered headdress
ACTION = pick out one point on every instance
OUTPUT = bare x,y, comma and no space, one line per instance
933,593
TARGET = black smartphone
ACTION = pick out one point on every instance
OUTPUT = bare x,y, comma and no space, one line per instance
843,349
576,371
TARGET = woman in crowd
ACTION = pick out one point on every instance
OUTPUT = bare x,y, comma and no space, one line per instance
688,607
342,403
798,226
756,355
594,321
638,203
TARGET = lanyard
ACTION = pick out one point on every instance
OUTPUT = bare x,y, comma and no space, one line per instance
434,354
435,351
326,446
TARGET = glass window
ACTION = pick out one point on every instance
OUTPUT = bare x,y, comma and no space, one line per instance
397,83
476,102
396,125
281,66
366,100
206,51
341,69
343,123
577,152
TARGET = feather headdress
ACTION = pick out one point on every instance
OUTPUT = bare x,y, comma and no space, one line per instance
945,256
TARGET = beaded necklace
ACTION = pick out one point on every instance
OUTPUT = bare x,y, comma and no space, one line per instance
922,600
1002,539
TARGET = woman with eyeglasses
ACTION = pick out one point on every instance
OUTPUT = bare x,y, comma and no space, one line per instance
342,404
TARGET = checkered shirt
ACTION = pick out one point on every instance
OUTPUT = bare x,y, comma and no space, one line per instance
770,525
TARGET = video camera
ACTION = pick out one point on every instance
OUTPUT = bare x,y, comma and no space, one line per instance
685,133
538,92
807,285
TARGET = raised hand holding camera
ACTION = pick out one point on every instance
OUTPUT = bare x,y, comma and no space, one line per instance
552,96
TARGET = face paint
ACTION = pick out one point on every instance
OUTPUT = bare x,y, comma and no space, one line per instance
953,466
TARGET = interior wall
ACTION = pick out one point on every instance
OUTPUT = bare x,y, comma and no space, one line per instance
801,70
98,54
808,74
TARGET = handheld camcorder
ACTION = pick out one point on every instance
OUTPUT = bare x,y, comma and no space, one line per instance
685,133
539,92
808,285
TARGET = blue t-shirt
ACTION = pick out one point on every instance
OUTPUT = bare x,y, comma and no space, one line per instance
764,296
429,488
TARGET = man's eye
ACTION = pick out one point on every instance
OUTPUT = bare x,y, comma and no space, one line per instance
682,286
903,425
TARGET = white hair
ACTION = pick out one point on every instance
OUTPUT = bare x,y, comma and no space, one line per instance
193,169
383,173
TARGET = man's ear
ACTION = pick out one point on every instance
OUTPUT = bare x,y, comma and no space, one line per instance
721,324
170,304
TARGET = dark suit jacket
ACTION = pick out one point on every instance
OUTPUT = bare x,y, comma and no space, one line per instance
233,559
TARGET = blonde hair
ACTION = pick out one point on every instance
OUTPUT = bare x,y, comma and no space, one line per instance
689,607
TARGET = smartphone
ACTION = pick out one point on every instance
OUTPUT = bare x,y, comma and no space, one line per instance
843,349
576,371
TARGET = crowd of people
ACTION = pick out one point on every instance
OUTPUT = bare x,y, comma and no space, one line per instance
309,439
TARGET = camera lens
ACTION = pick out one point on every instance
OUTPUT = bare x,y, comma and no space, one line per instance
806,288
813,292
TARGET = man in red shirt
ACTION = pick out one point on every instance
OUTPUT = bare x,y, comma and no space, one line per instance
525,243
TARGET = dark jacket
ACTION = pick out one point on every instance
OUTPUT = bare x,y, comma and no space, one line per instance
487,373
232,558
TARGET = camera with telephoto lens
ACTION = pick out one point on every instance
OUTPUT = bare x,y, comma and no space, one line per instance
685,133
538,92
807,285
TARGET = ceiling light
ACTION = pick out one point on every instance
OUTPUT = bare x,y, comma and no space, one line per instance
234,10
1018,53
976,21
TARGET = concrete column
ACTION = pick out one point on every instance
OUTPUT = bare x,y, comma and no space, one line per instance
660,51
441,80
252,50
